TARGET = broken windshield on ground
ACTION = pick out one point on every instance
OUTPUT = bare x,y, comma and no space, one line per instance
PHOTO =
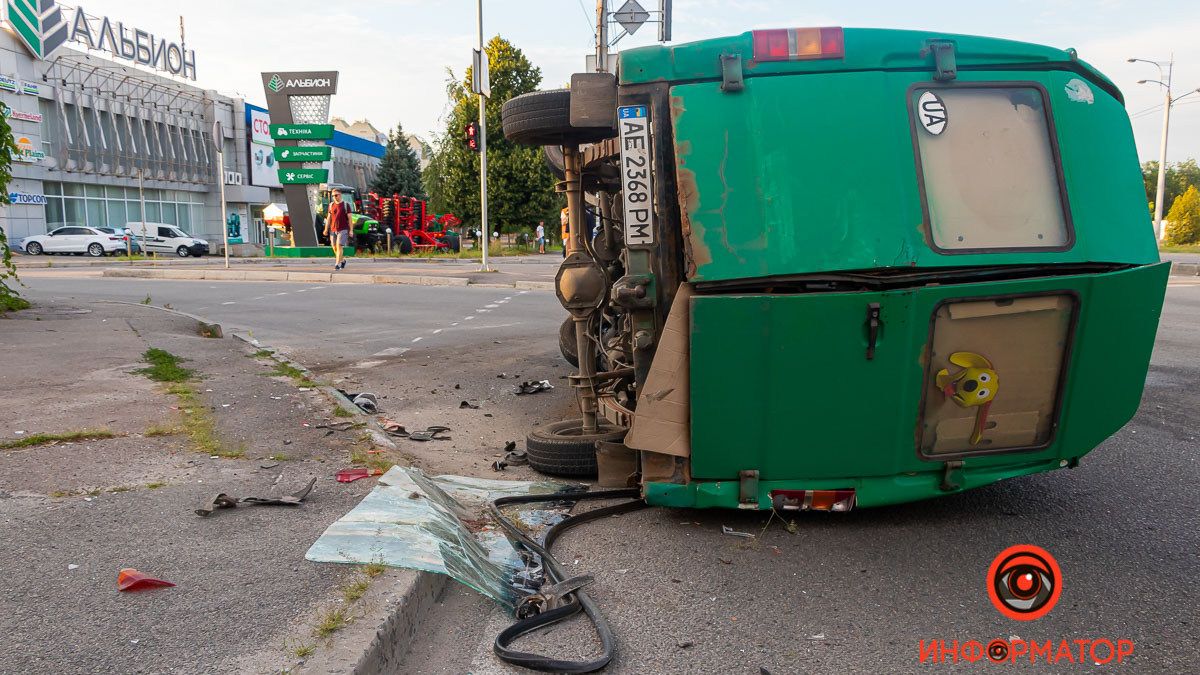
441,524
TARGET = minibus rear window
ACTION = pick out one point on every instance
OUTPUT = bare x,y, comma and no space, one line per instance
989,169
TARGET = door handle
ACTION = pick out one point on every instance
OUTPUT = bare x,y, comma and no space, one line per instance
874,323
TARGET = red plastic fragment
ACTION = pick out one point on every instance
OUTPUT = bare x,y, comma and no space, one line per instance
130,579
351,475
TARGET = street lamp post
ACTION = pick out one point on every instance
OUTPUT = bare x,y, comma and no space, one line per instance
483,195
1164,81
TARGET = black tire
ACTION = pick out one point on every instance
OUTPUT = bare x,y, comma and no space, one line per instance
403,244
544,118
33,248
95,250
182,252
566,342
553,154
562,449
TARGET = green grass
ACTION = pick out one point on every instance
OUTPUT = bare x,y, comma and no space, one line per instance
1183,248
288,370
69,436
262,354
303,651
355,590
121,488
135,256
156,485
374,569
331,622
157,430
198,422
342,412
12,303
164,367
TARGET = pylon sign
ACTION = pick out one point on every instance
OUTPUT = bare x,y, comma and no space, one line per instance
298,103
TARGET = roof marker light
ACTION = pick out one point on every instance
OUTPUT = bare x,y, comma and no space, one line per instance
798,44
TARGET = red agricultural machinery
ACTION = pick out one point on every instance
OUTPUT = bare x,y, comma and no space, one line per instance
412,227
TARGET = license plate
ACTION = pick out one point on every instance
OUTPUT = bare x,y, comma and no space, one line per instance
636,175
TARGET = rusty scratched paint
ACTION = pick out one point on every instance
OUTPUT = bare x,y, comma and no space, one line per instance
695,252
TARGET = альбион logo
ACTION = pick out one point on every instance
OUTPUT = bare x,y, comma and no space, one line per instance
276,83
1024,582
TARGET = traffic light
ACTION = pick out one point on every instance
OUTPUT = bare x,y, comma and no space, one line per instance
471,136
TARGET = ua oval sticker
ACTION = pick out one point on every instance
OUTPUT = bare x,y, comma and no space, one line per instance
931,111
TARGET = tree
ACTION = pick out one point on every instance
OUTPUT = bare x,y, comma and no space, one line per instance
1183,221
9,298
1179,176
520,186
400,169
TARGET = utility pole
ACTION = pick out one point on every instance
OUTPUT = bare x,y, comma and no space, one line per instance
601,36
483,204
1164,81
142,199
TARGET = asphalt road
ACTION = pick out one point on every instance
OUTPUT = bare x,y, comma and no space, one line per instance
326,325
853,592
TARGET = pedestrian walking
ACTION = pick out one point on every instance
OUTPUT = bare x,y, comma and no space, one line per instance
541,236
566,229
337,228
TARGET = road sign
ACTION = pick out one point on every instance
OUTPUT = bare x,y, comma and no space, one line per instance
307,132
303,176
218,137
480,79
320,153
631,16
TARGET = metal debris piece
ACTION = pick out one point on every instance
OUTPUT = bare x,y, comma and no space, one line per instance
512,457
468,405
533,387
725,529
224,501
430,434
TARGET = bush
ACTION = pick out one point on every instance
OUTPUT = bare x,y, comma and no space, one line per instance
1183,220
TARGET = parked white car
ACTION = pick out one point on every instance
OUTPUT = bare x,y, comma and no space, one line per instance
164,238
74,239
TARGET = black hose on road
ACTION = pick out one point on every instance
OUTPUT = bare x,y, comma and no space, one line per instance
556,574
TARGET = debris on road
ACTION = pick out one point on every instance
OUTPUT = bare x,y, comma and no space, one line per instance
130,579
338,426
366,401
725,529
533,387
351,475
512,457
225,501
468,405
441,524
430,434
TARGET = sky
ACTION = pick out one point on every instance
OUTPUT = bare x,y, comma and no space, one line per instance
394,55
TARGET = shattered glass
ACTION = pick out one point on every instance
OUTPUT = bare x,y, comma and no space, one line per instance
442,524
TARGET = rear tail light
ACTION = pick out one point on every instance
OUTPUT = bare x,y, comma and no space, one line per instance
812,500
115,239
798,44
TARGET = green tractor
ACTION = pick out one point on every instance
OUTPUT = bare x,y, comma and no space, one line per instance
366,234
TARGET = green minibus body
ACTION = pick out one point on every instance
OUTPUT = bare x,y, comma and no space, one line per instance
895,264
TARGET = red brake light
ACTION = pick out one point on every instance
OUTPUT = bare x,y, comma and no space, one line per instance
798,44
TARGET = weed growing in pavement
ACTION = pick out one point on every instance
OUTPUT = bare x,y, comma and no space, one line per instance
288,370
333,620
279,457
198,421
164,367
303,651
45,439
155,485
374,569
147,300
342,412
156,430
120,488
355,590
262,354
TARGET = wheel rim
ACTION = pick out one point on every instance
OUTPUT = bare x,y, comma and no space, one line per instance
96,250
35,249
182,252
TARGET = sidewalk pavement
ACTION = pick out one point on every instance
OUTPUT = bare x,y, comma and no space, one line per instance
520,273
73,513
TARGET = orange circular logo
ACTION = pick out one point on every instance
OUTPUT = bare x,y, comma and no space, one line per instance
1024,582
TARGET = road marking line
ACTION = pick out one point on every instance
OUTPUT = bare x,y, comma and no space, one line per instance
492,306
483,311
437,331
522,293
202,308
259,298
363,365
283,293
229,303
468,318
454,324
315,288
301,290
417,339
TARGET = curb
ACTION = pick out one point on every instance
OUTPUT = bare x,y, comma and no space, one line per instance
317,277
379,641
1185,269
